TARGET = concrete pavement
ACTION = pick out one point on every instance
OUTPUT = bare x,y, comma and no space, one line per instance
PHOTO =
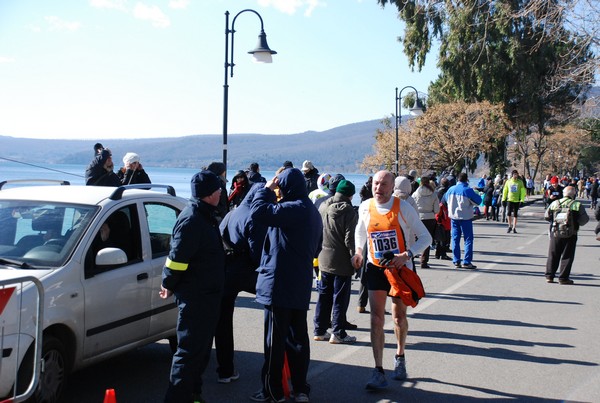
498,332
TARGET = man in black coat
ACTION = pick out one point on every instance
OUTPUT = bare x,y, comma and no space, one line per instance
195,273
100,171
243,240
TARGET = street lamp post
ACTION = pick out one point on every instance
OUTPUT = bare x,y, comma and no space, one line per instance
417,109
262,54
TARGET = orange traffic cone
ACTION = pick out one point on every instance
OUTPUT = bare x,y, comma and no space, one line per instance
109,396
285,377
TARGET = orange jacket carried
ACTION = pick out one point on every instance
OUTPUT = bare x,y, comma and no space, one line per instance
406,285
387,239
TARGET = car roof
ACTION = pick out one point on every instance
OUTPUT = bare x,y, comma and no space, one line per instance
90,195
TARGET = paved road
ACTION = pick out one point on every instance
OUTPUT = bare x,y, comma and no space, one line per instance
500,332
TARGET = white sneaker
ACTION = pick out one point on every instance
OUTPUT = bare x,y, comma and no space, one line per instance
322,337
342,340
301,398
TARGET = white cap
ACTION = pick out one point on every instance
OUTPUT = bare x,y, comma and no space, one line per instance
307,166
130,158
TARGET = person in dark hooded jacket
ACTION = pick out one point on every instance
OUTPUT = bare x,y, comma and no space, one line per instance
100,171
243,240
285,278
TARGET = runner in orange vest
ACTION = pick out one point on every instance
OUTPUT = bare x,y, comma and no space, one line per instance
387,223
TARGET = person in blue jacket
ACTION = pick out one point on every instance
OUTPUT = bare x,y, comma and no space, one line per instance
460,200
284,284
243,240
195,273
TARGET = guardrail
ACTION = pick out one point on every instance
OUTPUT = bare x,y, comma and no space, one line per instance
13,289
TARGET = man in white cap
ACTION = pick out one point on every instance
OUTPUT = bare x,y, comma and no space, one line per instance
311,175
132,171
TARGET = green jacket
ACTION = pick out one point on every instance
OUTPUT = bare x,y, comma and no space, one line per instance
514,191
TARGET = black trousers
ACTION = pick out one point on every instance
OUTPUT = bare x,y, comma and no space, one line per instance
286,333
561,253
224,345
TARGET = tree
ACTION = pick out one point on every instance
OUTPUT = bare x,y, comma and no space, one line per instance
446,136
501,51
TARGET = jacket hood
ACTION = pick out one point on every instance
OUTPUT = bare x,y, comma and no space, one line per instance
292,184
247,202
104,156
423,191
338,205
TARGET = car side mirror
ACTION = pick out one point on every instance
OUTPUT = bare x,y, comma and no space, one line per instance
110,257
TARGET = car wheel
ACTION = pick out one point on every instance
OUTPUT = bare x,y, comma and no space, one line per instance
54,372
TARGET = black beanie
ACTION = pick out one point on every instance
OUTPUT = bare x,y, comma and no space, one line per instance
204,184
216,167
333,182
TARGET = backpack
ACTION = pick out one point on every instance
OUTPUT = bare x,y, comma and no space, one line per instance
563,224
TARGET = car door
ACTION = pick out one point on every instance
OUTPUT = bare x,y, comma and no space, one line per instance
160,219
117,298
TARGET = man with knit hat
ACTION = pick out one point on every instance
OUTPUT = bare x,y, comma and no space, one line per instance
195,273
336,270
99,172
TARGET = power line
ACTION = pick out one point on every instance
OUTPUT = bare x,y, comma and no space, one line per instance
41,167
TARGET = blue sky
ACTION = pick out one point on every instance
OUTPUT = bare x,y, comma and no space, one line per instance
100,69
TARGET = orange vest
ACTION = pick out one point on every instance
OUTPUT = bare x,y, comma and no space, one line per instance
384,232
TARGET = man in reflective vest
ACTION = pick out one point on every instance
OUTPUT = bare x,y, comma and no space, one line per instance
387,224
195,273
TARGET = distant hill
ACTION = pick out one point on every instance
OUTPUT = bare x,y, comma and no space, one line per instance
340,149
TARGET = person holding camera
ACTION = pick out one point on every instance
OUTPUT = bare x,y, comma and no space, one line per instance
132,171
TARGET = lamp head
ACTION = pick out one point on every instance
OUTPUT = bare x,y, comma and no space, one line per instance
418,108
262,53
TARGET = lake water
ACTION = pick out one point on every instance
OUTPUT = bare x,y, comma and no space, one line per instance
179,178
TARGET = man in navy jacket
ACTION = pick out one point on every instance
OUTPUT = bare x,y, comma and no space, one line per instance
285,278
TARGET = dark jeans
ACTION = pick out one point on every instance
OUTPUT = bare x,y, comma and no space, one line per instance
286,333
561,253
224,345
332,305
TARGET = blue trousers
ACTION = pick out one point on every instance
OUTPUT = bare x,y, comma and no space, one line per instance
198,316
332,305
459,229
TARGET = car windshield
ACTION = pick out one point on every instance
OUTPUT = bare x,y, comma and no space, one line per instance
41,235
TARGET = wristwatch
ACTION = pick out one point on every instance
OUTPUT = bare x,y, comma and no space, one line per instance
410,254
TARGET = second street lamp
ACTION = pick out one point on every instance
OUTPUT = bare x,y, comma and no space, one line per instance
416,109
261,54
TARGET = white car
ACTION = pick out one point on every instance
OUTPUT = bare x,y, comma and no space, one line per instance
100,287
